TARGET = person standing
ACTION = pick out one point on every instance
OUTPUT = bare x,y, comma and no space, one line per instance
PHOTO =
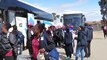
89,31
14,41
55,36
20,38
105,31
81,43
29,38
68,43
47,44
36,43
50,47
59,36
5,47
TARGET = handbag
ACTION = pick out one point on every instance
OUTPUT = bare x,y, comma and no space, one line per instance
40,56
54,54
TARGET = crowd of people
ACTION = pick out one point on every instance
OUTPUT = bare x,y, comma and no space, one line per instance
42,42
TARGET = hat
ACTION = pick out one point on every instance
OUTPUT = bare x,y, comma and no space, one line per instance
71,26
30,24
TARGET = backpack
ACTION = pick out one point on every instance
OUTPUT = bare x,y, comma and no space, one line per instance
20,37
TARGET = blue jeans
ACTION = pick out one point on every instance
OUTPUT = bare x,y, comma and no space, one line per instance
80,51
20,49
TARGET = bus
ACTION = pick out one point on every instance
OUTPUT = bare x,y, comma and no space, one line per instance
75,20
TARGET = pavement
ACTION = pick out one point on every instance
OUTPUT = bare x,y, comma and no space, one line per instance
98,49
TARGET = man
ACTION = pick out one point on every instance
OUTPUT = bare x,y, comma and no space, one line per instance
81,43
16,39
29,38
89,31
14,42
68,43
58,37
105,31
5,46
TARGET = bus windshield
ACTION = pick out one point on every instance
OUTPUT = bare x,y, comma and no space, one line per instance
73,20
76,21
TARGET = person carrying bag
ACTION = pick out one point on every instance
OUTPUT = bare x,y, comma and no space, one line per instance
50,47
5,47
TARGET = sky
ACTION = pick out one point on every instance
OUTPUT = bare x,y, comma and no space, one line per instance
90,8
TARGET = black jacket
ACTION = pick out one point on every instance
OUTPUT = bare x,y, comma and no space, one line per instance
13,40
68,38
89,33
47,42
14,43
4,44
29,38
82,38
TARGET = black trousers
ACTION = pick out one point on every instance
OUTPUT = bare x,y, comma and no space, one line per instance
105,34
68,50
57,42
88,49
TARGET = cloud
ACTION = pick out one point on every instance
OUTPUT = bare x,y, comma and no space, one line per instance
93,15
71,12
68,8
78,2
59,9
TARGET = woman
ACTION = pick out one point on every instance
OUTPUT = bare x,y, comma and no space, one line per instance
81,43
50,47
36,43
68,43
47,44
5,47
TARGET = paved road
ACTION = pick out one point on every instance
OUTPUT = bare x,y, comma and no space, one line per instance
99,49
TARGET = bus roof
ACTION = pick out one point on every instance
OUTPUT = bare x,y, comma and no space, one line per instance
74,14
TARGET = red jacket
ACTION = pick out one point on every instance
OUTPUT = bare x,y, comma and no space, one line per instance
35,47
